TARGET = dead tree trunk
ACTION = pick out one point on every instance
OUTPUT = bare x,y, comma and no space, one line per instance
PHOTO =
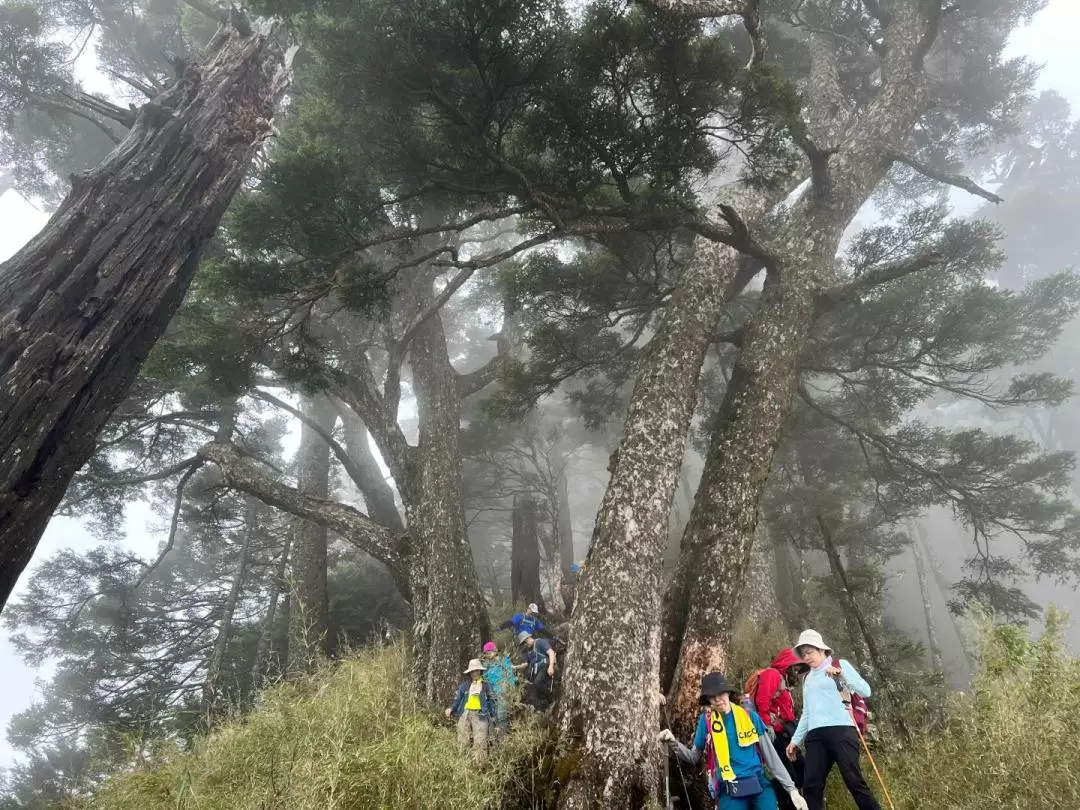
918,535
84,301
311,603
716,546
212,688
525,552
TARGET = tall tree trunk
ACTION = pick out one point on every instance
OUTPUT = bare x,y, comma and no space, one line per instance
449,615
705,595
378,494
84,301
790,590
260,665
610,701
311,603
212,688
525,552
918,535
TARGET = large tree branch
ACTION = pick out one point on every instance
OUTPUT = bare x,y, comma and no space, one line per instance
242,473
875,277
943,176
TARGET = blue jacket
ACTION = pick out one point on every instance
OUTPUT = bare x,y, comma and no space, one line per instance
822,705
499,675
486,707
744,761
519,621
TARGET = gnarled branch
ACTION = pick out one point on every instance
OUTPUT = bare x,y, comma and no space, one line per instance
947,177
242,473
875,277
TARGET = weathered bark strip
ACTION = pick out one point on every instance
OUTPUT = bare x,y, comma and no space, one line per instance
311,604
243,474
719,537
83,302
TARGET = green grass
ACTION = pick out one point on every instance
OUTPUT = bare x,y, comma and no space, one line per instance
348,737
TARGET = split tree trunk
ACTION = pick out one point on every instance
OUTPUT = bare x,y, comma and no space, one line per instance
212,688
378,494
719,537
311,602
82,304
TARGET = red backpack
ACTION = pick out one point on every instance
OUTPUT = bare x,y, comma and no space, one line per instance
860,711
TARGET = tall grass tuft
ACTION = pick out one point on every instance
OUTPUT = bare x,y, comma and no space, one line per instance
1007,744
347,738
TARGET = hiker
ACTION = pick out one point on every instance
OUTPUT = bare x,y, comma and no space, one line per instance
499,676
736,750
527,622
472,709
540,666
826,730
769,693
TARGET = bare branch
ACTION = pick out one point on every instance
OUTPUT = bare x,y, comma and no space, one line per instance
875,277
397,353
242,473
946,177
174,524
160,475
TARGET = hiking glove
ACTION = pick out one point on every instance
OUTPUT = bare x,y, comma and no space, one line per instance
797,800
666,737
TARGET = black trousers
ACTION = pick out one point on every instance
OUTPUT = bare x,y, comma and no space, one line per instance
835,745
794,769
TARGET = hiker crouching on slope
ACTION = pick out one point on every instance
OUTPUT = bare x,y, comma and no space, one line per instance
737,752
769,693
472,709
499,676
540,670
826,730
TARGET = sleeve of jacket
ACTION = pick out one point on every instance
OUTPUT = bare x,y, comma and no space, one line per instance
776,766
856,681
768,685
802,729
459,701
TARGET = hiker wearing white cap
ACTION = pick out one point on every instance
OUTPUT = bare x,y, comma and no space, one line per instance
826,730
527,622
472,709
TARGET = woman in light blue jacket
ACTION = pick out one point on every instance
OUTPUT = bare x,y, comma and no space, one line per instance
826,730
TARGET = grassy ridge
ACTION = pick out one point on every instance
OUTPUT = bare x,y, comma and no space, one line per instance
350,738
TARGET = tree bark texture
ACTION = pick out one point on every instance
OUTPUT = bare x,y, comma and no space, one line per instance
525,552
706,594
311,603
84,301
610,701
449,615
213,687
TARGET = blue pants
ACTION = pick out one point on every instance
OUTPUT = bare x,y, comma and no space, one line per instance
766,800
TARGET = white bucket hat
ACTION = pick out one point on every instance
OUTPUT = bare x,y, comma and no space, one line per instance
474,666
811,638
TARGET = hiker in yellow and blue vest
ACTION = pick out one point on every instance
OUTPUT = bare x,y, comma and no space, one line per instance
473,709
737,752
